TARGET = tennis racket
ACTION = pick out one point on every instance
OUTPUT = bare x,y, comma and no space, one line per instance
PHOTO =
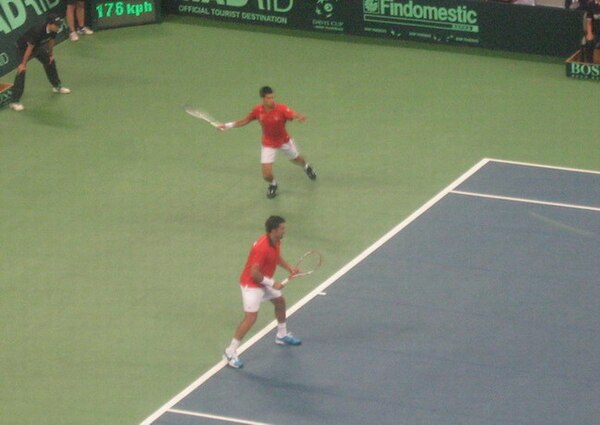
201,114
307,264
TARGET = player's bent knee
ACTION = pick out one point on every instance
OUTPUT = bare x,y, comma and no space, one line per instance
279,301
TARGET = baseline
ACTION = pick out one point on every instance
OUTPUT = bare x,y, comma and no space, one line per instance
554,185
524,200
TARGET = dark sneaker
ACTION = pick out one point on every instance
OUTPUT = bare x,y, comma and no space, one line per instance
272,191
310,172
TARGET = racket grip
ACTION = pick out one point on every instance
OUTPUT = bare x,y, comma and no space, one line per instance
285,281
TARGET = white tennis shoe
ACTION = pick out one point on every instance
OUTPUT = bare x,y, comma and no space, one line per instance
61,90
18,107
84,31
233,361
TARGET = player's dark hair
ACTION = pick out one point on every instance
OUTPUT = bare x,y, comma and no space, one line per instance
273,223
265,91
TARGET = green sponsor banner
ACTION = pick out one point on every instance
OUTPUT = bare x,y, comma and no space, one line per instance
312,15
269,12
538,30
582,70
423,20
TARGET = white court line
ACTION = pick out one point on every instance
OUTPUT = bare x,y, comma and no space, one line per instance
524,200
314,293
168,407
527,164
217,417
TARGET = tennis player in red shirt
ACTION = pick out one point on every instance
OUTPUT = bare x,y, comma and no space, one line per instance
258,285
273,117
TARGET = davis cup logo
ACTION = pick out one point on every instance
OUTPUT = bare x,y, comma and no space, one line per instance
325,8
371,6
324,17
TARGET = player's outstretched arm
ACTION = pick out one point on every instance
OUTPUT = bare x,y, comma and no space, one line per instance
299,117
233,124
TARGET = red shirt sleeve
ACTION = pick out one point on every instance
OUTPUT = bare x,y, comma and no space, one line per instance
286,111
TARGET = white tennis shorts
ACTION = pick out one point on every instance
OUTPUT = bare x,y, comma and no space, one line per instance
267,155
253,297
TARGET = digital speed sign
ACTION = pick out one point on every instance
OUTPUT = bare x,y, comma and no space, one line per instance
123,13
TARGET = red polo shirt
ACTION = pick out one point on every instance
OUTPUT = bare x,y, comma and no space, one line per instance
273,123
266,255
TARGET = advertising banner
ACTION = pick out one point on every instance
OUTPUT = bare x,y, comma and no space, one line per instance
581,70
16,17
525,29
311,15
444,21
538,30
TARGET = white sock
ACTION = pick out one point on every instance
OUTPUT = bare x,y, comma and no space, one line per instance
232,349
281,330
273,183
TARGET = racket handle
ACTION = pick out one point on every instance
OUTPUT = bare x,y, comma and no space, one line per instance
285,281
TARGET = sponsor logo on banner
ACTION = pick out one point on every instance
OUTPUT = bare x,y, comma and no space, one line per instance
584,71
16,16
325,11
14,13
414,19
257,11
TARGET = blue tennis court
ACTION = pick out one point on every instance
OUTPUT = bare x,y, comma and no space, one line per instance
479,308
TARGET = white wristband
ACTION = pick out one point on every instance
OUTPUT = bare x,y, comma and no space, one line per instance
267,281
229,125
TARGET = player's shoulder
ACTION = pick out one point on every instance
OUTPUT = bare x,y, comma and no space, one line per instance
261,242
284,109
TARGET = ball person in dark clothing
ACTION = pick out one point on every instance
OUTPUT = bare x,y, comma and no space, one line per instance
37,42
592,30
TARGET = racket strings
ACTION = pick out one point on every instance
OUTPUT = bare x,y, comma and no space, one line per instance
200,113
309,262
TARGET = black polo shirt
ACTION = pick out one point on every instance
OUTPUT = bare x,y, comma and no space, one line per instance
36,35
